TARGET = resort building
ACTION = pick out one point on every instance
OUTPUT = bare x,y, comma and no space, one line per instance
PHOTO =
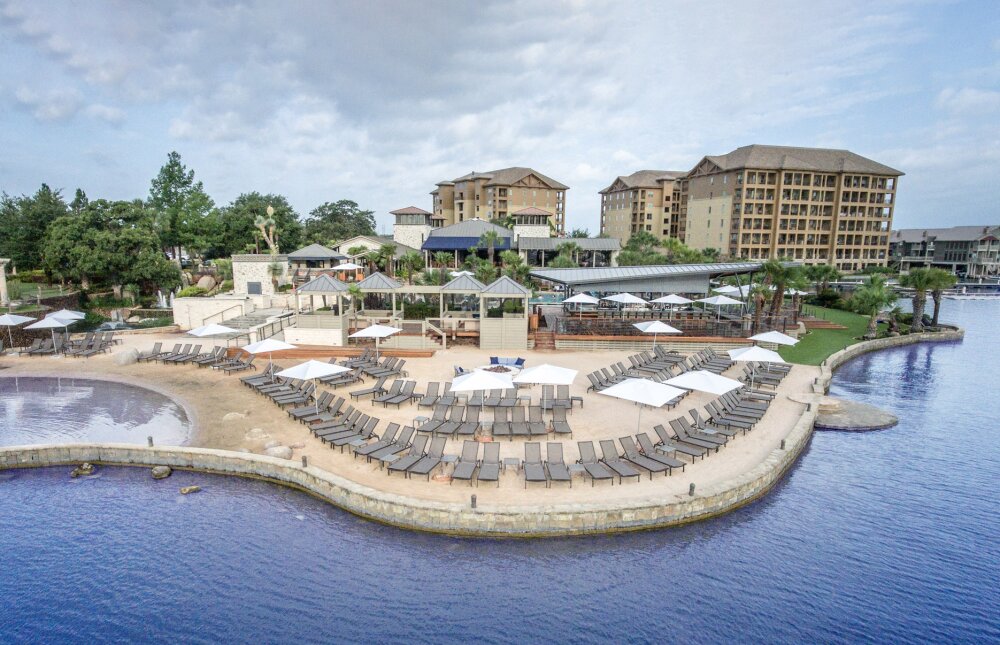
499,194
969,252
414,225
812,205
309,261
646,200
371,243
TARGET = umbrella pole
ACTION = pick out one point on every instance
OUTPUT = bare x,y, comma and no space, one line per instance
638,420
10,336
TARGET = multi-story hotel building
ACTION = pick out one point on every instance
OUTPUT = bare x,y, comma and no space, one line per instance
498,194
808,204
646,200
967,251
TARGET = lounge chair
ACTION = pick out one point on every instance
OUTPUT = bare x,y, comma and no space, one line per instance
381,397
376,389
302,397
509,398
555,465
415,454
240,366
35,344
387,439
559,424
329,414
456,415
398,446
647,448
44,348
633,457
168,355
321,405
613,460
359,436
345,421
405,395
468,462
492,400
430,461
588,459
350,425
440,416
447,396
704,440
470,426
501,422
215,356
536,423
519,423
673,444
430,397
562,394
191,354
534,470
489,467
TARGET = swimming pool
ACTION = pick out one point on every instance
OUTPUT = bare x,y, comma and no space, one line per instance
36,410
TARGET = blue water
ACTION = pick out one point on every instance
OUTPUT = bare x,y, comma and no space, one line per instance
38,410
879,537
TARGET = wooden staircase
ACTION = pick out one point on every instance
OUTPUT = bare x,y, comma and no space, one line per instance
545,340
819,323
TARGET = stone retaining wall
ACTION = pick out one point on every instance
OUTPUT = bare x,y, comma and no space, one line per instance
822,383
442,517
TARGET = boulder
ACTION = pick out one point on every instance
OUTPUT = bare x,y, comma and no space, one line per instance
187,490
295,446
233,416
206,282
271,444
161,472
281,452
133,319
256,434
127,357
83,470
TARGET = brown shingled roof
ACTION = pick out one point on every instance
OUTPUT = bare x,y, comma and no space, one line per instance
645,179
409,210
508,176
791,158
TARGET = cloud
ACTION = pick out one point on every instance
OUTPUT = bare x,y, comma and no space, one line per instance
105,113
968,100
50,105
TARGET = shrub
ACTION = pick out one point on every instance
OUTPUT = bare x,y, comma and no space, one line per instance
154,322
14,290
284,287
825,298
90,322
191,292
227,285
419,311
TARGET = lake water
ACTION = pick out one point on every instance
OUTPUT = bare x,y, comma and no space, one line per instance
35,410
879,537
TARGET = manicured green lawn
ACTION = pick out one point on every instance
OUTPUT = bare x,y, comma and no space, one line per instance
818,344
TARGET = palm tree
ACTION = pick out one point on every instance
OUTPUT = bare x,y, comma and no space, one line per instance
386,254
921,281
514,266
570,249
490,239
373,258
779,276
870,300
821,275
411,263
940,280
758,293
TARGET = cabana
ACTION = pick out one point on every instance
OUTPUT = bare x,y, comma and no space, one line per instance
320,327
379,283
460,320
510,330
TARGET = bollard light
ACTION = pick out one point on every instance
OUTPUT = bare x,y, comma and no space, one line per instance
305,461
782,444
149,441
691,489
473,501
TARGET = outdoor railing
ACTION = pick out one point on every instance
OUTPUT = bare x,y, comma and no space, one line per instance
219,316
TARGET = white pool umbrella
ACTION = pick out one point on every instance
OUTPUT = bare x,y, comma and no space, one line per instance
644,392
211,330
718,302
546,374
348,266
672,299
53,323
625,299
704,381
376,332
581,299
312,370
755,354
268,346
481,380
456,274
655,327
67,314
726,289
13,320
775,337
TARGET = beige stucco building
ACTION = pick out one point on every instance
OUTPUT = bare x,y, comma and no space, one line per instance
813,205
646,200
498,194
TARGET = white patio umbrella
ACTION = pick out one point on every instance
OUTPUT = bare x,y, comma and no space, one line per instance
755,354
13,320
718,302
775,337
726,289
268,346
581,299
625,299
211,330
376,332
644,392
546,374
66,314
348,266
481,380
655,327
52,323
456,274
312,370
704,381
672,299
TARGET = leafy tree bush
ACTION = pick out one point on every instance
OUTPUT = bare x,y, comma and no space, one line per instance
340,220
191,292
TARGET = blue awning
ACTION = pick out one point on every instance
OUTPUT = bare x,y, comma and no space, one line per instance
445,243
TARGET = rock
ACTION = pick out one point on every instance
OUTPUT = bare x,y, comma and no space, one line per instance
271,444
206,282
127,357
133,319
83,470
256,434
296,446
161,472
187,490
281,452
233,416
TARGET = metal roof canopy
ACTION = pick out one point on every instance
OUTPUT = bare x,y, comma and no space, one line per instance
685,278
323,283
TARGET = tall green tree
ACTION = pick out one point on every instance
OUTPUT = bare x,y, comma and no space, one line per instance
490,240
870,300
339,220
821,275
79,202
780,277
410,264
180,205
921,281
940,281
23,223
514,266
579,232
237,224
111,241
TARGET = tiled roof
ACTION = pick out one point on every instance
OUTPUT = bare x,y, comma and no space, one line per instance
378,282
323,283
409,210
791,158
504,286
645,179
508,176
470,228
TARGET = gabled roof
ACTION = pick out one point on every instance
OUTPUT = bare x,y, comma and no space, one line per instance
553,243
509,176
464,283
323,283
401,249
504,286
643,179
470,228
379,282
585,275
793,158
409,210
531,210
953,234
315,252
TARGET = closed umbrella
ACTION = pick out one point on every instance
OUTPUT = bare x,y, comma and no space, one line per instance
546,374
52,323
644,392
376,332
775,337
704,381
13,320
655,327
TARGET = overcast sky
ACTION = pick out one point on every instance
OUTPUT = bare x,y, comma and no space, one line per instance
377,101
